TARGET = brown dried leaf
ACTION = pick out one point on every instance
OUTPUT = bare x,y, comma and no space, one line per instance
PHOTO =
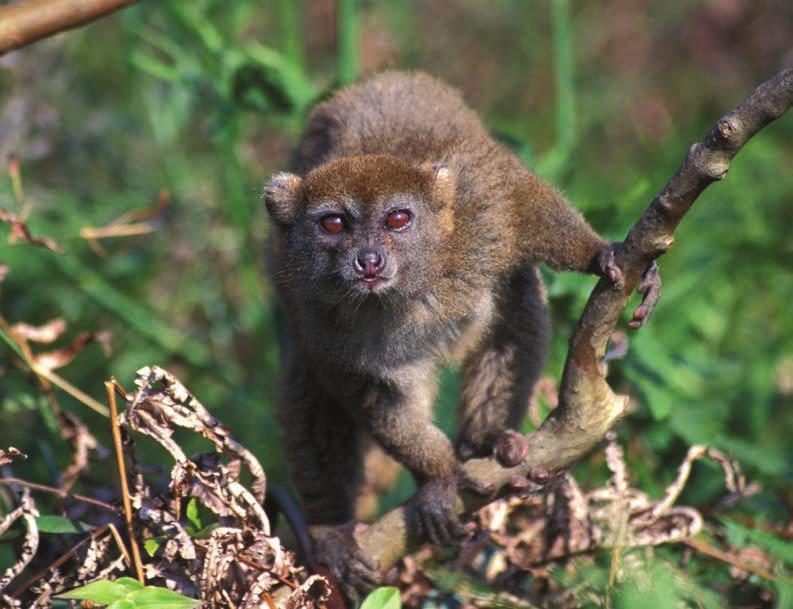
45,333
20,232
615,460
130,224
312,593
521,534
234,564
750,556
9,454
28,512
156,210
75,431
58,358
162,397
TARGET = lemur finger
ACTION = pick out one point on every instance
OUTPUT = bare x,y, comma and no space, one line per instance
349,590
465,451
456,529
365,577
472,484
650,288
431,530
608,266
370,563
510,448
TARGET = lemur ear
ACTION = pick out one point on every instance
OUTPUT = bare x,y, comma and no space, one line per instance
443,183
280,197
443,186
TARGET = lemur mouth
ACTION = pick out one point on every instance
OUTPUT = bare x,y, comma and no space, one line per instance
371,282
374,283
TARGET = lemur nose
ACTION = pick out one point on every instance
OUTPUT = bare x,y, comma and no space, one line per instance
369,262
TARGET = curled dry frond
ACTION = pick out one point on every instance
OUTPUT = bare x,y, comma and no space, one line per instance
520,539
27,512
312,592
162,402
539,529
229,561
76,432
229,565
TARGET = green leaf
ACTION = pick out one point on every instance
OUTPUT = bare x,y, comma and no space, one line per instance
135,314
739,535
128,593
61,525
195,20
151,544
771,458
129,584
347,37
9,535
784,591
192,514
661,586
153,66
103,592
161,598
383,598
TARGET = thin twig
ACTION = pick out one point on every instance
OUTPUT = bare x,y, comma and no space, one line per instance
120,391
58,492
268,599
705,548
124,230
122,474
121,545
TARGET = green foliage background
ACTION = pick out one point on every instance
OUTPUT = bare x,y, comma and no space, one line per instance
205,99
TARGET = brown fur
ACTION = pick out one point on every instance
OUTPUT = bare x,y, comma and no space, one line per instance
466,289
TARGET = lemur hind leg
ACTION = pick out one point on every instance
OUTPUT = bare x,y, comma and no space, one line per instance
498,378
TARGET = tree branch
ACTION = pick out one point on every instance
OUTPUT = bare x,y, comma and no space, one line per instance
25,22
588,407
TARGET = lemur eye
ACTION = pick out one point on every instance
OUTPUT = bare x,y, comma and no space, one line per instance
332,224
398,220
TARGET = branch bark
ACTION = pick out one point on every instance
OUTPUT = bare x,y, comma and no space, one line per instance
22,23
588,407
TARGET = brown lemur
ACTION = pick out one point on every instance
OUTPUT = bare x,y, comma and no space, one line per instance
405,239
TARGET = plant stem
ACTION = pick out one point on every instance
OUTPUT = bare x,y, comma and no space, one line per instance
347,36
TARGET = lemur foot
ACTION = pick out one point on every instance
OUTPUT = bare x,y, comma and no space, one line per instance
432,513
336,548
